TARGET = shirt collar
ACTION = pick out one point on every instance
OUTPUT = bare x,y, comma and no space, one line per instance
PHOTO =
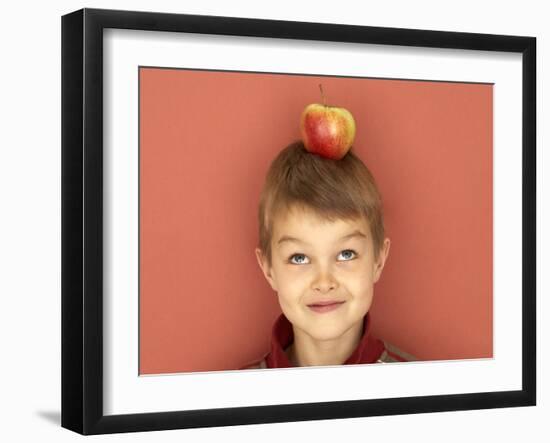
367,351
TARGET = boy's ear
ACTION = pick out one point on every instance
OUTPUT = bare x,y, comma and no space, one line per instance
382,256
264,266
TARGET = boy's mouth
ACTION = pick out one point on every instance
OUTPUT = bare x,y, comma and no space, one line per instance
325,306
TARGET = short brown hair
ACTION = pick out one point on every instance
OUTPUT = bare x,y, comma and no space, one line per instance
333,189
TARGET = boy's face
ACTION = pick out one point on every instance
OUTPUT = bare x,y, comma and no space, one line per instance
327,262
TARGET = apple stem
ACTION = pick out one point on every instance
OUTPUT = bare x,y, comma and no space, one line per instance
322,94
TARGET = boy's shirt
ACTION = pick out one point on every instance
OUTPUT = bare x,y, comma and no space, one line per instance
369,350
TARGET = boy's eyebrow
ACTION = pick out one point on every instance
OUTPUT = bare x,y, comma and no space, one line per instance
288,238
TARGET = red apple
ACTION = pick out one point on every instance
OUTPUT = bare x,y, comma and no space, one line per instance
328,131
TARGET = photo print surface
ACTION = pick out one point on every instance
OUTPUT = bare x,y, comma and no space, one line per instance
206,142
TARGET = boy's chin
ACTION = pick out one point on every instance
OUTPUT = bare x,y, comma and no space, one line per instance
329,331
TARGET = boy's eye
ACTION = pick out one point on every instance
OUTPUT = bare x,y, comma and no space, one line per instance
300,259
349,254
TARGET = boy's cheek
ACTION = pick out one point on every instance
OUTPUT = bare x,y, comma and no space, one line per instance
358,281
290,291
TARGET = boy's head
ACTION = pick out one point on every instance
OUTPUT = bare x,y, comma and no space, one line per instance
309,208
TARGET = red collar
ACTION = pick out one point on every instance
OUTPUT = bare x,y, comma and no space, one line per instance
368,350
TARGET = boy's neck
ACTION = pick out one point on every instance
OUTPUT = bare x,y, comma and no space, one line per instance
306,351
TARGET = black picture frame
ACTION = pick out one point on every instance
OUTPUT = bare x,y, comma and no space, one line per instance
82,215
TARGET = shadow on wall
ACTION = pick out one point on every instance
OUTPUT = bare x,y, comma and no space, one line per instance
53,417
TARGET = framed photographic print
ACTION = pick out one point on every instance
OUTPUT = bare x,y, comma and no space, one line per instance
230,191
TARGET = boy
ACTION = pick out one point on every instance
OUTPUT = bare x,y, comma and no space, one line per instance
322,248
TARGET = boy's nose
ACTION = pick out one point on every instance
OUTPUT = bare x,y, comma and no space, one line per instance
324,282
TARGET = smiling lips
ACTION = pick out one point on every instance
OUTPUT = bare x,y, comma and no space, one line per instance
325,306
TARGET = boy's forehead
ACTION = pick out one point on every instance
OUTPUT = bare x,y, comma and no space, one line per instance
306,224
